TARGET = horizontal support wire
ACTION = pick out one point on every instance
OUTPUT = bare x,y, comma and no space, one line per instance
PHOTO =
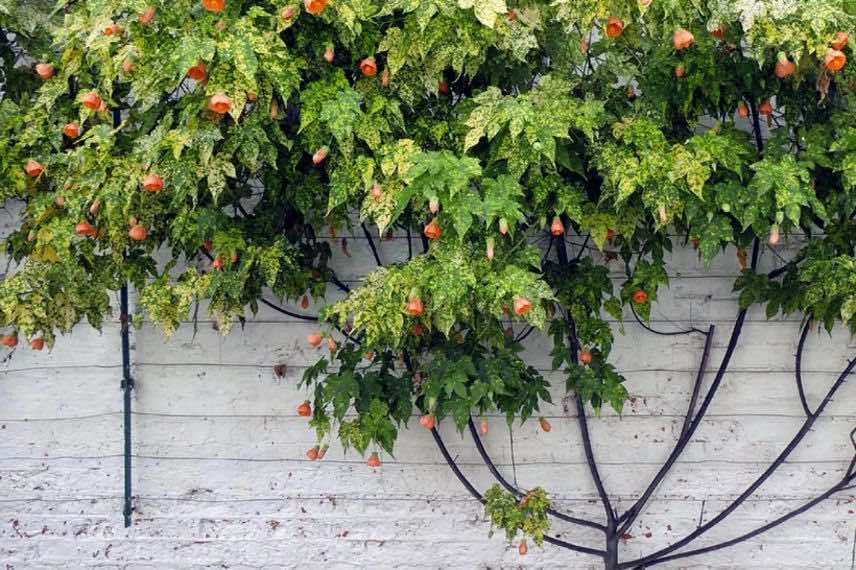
290,415
262,498
297,459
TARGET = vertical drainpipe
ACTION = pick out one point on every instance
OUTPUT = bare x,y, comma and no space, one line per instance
127,387
127,381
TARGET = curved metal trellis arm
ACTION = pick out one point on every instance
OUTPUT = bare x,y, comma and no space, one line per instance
690,425
562,254
463,479
702,368
285,311
779,271
851,470
648,328
841,486
478,496
333,278
512,489
583,247
338,283
525,334
797,439
372,245
689,428
592,463
630,514
798,367
310,318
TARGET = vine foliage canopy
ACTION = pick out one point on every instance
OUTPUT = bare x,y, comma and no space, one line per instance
207,150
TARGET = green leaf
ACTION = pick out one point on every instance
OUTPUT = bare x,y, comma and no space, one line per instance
191,50
714,235
485,10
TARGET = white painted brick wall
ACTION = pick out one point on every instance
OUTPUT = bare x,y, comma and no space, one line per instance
221,481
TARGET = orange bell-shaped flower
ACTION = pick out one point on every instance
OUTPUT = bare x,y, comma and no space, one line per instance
220,103
683,39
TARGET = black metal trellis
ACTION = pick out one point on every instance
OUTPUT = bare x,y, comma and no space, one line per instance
618,524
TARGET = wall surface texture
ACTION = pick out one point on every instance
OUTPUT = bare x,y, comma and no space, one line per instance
220,480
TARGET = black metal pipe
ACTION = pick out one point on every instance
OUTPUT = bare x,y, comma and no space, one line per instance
756,125
851,469
339,283
630,516
409,243
127,387
583,247
284,311
454,467
650,329
592,463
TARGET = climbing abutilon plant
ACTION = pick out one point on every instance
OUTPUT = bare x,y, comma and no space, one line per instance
529,150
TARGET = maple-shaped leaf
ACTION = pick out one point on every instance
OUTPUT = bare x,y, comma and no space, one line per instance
788,182
485,10
502,197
